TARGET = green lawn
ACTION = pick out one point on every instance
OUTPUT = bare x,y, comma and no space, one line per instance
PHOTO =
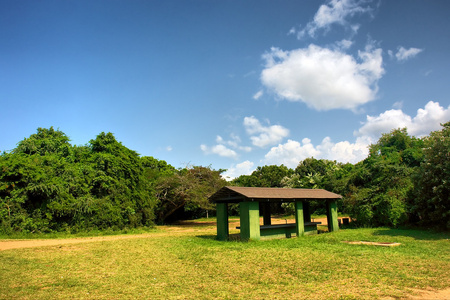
186,262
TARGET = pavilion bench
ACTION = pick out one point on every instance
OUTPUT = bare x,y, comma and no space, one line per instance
279,230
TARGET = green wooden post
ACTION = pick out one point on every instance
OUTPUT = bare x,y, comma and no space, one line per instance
249,220
332,216
222,221
299,221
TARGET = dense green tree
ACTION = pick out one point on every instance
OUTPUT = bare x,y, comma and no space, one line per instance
314,173
187,189
378,187
430,201
319,173
123,195
47,184
266,176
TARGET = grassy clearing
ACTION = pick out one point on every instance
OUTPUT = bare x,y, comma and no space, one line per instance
180,262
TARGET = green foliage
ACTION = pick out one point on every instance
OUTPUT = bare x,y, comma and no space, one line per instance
378,187
430,201
47,184
266,176
187,190
314,173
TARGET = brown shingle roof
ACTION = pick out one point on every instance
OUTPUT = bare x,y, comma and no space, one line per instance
239,194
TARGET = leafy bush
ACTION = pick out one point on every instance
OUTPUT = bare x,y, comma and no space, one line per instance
430,200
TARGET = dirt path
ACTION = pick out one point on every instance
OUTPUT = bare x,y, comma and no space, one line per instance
18,244
181,227
426,295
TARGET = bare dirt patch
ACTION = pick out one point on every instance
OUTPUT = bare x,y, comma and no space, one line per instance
426,295
18,244
431,295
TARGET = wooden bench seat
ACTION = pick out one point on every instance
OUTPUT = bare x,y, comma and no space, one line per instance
286,229
289,225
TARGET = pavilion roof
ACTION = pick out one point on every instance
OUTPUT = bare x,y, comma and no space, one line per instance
234,194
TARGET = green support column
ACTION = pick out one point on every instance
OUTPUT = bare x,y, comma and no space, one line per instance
332,216
299,221
249,220
222,221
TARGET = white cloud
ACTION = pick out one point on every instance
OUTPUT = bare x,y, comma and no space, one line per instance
344,151
222,147
322,78
169,148
398,105
244,168
344,44
290,153
258,95
263,136
334,12
427,119
405,54
220,150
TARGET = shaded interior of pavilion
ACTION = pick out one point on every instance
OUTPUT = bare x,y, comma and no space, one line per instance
255,202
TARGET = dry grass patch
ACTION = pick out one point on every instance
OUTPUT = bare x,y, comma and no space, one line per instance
188,263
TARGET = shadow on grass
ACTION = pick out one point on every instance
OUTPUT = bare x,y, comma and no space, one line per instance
418,234
232,237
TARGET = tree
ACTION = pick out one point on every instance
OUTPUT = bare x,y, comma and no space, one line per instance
314,173
430,201
266,176
187,189
47,184
122,194
378,186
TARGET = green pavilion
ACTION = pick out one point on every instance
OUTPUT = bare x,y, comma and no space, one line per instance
254,202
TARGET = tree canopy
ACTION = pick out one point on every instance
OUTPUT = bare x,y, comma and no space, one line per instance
48,184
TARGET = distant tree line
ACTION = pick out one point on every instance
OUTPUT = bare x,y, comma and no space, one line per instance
47,184
404,180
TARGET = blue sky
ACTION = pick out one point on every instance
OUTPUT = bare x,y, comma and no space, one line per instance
230,84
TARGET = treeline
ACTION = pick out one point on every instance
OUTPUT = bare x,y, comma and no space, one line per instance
404,180
47,184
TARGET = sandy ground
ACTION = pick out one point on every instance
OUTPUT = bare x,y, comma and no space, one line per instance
183,227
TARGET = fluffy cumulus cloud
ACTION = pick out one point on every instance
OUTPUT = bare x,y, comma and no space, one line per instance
262,136
290,153
220,150
405,54
426,120
322,78
334,12
226,148
344,151
244,168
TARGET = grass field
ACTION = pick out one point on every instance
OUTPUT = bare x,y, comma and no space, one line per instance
186,262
